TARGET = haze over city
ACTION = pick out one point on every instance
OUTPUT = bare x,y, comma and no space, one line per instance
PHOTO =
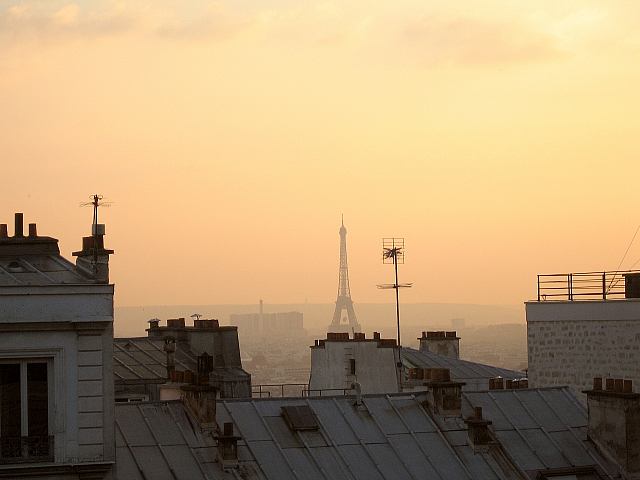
231,136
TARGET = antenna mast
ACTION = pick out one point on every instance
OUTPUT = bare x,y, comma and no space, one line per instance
393,253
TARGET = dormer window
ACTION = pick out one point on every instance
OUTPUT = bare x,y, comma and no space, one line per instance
24,412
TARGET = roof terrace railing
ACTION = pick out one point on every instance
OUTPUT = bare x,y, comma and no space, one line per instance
583,286
294,390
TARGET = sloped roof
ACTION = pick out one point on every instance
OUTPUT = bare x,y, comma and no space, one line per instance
541,428
475,375
46,268
159,441
144,359
387,437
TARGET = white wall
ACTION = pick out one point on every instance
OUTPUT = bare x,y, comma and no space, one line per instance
375,366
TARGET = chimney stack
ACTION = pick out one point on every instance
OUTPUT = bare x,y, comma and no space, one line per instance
443,343
478,430
94,258
228,446
3,231
33,231
19,225
614,421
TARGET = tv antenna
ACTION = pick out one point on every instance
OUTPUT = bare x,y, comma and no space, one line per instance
96,201
196,316
393,253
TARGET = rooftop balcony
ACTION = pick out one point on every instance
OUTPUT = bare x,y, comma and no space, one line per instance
589,286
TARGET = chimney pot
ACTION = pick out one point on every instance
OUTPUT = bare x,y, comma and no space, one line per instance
609,384
478,412
3,231
597,383
628,386
19,225
618,385
33,231
376,335
228,427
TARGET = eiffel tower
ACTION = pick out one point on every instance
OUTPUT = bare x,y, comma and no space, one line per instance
349,323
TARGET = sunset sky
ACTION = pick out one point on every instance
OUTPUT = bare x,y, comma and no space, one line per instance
500,138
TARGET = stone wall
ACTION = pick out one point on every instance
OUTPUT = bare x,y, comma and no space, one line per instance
569,343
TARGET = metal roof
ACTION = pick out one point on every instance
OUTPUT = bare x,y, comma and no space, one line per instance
541,428
39,269
160,441
142,359
386,437
475,375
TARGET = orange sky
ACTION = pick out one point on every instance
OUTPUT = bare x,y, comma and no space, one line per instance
499,137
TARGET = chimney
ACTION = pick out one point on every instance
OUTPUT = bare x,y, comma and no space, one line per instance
33,231
376,335
94,258
478,430
3,231
170,349
443,343
228,446
19,225
201,400
446,394
614,421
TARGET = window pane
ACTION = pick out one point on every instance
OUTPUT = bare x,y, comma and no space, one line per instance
10,400
38,399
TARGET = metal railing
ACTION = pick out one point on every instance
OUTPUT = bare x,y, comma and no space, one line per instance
35,448
583,286
293,390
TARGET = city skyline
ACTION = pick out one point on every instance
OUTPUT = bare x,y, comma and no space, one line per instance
499,140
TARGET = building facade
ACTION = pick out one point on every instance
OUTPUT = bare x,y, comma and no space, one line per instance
56,376
573,338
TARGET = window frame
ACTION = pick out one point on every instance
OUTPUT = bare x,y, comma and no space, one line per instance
57,383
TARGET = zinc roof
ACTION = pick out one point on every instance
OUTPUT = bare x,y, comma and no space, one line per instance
143,359
42,269
475,375
541,428
159,441
386,437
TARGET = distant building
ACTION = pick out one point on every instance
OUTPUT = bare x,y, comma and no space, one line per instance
584,325
56,367
339,360
143,365
278,324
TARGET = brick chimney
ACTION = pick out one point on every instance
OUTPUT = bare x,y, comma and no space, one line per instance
94,258
228,446
446,395
443,343
614,421
478,430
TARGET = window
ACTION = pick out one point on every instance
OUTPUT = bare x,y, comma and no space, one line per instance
24,411
300,417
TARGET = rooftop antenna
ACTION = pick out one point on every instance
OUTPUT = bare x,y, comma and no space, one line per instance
196,316
393,253
96,201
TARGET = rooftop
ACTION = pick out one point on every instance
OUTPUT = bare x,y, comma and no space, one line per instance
589,286
475,375
35,260
393,436
144,359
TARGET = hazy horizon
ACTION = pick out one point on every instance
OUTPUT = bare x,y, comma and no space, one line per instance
498,139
